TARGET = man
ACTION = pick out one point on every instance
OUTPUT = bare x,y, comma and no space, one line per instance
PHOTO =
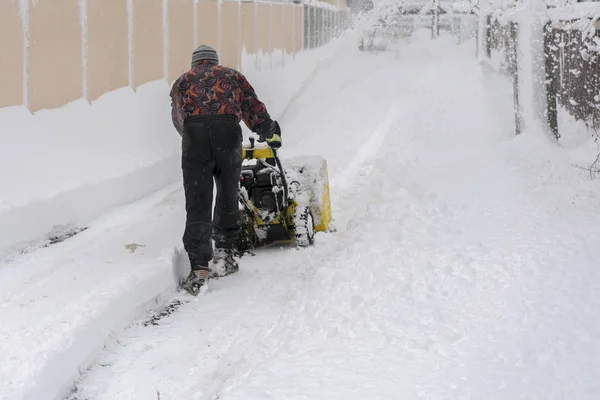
208,103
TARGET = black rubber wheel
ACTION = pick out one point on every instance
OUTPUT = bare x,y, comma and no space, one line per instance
304,226
247,240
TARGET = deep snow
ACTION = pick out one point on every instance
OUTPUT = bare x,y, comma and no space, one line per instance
64,167
463,266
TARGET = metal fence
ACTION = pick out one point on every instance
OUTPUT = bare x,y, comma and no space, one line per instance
573,73
572,68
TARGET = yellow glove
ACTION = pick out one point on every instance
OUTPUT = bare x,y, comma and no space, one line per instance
274,141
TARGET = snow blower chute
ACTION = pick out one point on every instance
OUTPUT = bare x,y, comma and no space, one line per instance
280,205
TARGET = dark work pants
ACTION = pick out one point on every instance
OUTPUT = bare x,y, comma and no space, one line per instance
211,149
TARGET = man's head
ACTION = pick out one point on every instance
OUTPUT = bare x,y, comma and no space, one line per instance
203,53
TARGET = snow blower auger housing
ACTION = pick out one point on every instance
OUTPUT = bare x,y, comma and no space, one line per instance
280,205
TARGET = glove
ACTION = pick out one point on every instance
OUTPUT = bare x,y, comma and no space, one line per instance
274,142
273,137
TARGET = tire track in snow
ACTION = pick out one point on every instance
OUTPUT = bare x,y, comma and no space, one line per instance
362,166
236,350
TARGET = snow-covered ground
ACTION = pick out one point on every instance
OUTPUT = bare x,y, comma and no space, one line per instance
463,265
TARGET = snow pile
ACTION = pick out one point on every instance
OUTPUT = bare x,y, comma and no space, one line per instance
59,304
310,182
66,166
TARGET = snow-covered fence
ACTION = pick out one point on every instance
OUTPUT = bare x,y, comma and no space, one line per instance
551,53
500,44
323,21
573,71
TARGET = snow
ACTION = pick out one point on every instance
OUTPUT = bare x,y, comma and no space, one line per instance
308,175
62,302
575,11
69,165
463,265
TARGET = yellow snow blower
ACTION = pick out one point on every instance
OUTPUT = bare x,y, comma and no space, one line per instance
280,205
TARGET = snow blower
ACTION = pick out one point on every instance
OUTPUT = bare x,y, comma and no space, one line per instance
280,205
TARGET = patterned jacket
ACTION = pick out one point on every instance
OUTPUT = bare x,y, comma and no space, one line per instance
211,89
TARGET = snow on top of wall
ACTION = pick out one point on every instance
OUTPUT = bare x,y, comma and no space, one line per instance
575,11
321,4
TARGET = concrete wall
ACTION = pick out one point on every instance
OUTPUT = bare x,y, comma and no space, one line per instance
85,48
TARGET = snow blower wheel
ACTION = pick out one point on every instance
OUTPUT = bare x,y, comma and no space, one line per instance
304,226
247,239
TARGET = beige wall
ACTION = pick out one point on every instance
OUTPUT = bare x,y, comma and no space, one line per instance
288,29
247,25
181,36
299,28
11,58
108,49
56,58
277,27
56,46
208,23
229,53
147,41
262,28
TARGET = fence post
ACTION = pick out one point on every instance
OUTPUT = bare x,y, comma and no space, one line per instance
515,69
488,39
551,56
270,36
435,23
293,30
239,38
219,25
255,34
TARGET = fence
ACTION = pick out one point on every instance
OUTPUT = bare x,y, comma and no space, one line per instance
571,67
573,73
57,51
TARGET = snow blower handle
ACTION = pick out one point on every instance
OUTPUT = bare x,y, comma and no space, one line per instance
283,179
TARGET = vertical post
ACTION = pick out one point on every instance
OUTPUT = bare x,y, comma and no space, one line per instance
83,18
477,35
436,19
130,44
293,30
271,36
515,69
310,26
195,23
255,32
283,34
25,21
219,25
488,34
166,39
323,25
551,57
239,36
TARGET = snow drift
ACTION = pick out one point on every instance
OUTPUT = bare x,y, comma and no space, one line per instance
65,166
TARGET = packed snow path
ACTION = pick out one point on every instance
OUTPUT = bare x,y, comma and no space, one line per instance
464,265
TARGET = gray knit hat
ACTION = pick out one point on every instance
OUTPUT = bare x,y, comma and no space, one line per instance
204,52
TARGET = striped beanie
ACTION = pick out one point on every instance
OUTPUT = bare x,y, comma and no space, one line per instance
204,52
